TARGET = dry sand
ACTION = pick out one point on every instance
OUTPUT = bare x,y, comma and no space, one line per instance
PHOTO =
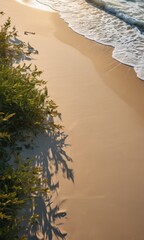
101,102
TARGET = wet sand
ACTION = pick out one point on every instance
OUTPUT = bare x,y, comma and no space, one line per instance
101,102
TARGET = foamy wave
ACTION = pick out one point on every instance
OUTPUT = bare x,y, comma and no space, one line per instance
98,25
129,12
36,4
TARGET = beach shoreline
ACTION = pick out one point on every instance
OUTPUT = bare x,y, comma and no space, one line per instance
101,101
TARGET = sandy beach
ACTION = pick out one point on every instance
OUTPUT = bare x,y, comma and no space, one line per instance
101,102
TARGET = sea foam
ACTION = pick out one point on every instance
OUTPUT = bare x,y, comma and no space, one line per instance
117,23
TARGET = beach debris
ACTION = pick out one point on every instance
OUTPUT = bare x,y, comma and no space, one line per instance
26,33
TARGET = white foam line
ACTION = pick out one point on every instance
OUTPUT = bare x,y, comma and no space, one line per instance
35,4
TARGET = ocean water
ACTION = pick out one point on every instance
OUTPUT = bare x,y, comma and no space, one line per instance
117,23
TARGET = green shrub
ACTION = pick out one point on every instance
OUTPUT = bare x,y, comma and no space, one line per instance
24,106
22,92
14,196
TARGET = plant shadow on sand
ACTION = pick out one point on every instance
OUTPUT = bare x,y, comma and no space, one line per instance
50,155
48,151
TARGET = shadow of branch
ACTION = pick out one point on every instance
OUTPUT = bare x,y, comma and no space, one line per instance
50,155
47,227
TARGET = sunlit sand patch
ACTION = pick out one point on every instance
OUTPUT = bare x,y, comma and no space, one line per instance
36,4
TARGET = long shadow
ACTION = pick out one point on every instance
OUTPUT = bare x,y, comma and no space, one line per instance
49,150
47,227
52,157
49,153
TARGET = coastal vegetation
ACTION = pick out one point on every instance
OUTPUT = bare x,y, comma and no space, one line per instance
25,109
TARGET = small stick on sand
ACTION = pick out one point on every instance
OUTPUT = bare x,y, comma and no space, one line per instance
26,33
